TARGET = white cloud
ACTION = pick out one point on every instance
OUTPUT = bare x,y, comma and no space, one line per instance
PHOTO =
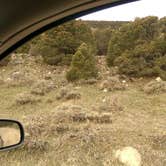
129,11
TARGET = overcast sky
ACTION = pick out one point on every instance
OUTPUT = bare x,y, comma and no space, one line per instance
129,11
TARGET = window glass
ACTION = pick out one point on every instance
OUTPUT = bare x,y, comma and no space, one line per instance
91,91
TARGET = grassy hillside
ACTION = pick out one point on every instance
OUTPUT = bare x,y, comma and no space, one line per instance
80,124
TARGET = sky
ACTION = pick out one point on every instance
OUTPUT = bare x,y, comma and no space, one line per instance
128,12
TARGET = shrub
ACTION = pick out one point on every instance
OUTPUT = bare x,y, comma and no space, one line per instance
155,87
25,98
126,64
66,59
42,87
109,105
143,60
51,55
113,83
73,95
73,74
139,47
83,64
33,145
66,94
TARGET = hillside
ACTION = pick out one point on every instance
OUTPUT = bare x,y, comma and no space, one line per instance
80,124
105,24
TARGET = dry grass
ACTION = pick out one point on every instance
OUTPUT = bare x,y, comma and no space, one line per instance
85,131
42,87
112,83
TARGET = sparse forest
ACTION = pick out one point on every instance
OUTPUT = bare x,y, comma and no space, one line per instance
86,89
138,48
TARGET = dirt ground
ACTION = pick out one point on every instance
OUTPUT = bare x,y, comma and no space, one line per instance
84,130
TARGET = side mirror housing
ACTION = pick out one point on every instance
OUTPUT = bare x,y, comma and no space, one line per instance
11,134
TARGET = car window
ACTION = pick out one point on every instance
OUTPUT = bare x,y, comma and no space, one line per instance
91,91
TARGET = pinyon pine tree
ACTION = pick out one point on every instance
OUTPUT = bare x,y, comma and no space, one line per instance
83,65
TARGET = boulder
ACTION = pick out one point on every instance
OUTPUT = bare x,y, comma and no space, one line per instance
128,156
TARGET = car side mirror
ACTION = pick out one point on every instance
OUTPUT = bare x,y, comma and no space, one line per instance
11,134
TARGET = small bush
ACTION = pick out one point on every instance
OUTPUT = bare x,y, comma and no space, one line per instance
36,145
78,117
62,128
99,118
109,105
112,83
25,98
63,92
73,95
66,94
51,55
42,87
155,87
